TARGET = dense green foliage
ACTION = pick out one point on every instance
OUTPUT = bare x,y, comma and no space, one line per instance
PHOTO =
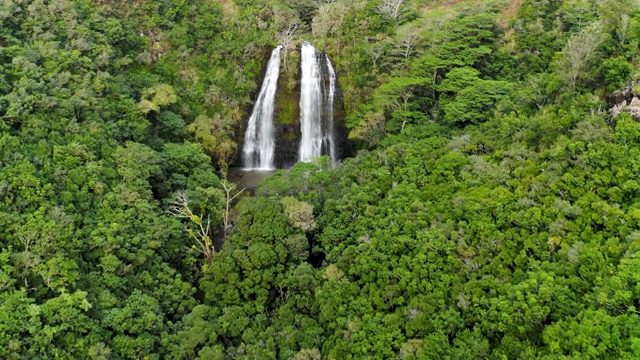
491,212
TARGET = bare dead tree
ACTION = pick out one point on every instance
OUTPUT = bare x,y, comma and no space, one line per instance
435,27
537,90
34,239
579,52
375,52
286,37
623,30
229,189
371,129
406,41
406,95
180,209
391,8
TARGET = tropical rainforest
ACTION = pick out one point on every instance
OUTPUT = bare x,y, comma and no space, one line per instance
490,210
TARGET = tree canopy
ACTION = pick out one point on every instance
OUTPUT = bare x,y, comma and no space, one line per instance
490,211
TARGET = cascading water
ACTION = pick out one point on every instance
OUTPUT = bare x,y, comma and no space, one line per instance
259,139
317,92
329,100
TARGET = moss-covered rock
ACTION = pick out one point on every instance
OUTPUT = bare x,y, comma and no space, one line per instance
287,107
287,112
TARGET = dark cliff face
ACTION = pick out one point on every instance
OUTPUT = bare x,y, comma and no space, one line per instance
287,115
625,100
344,148
618,97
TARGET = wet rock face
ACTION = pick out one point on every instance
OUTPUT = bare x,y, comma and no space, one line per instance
344,149
287,139
287,114
633,108
626,100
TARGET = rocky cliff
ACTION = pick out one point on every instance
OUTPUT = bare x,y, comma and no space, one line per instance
626,100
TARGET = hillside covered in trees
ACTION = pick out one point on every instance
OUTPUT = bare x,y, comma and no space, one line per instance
491,208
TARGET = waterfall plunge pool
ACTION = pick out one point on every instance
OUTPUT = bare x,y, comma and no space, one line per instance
248,178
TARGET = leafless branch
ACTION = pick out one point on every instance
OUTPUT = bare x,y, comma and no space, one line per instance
286,36
391,8
180,209
375,52
229,188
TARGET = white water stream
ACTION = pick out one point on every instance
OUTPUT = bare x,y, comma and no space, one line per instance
259,139
317,92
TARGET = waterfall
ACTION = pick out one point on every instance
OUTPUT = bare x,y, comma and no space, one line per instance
317,92
329,101
259,139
